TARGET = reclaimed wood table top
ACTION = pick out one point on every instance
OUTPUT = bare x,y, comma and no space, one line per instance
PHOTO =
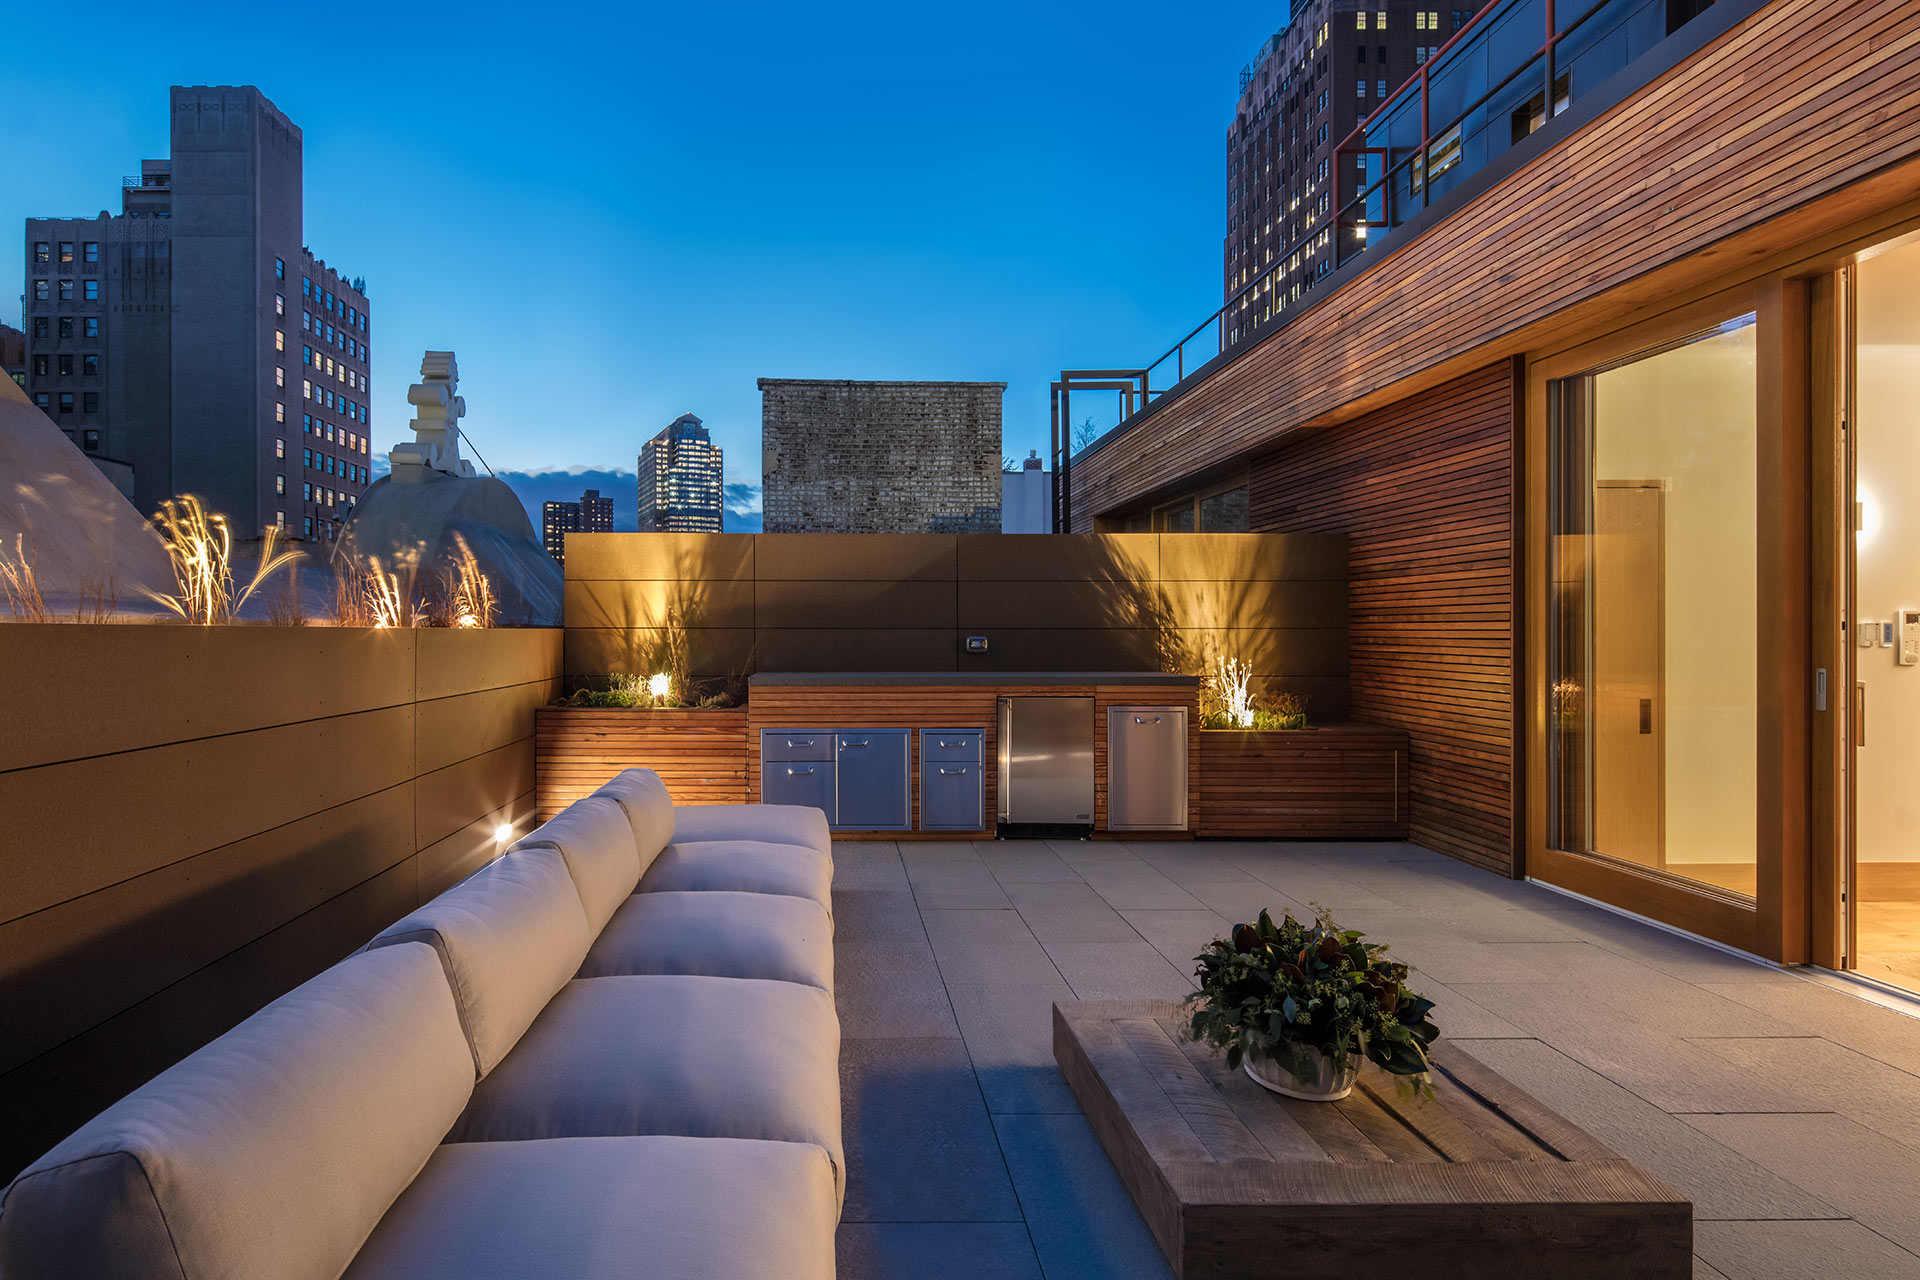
1478,1179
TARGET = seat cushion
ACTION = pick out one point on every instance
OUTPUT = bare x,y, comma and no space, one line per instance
594,837
767,823
677,1054
585,1208
510,935
272,1151
643,797
721,934
744,866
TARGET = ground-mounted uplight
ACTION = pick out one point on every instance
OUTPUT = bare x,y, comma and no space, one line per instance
659,685
503,833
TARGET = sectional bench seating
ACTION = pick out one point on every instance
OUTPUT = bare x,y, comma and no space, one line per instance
611,1052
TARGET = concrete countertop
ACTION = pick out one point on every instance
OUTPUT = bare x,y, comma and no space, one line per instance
782,679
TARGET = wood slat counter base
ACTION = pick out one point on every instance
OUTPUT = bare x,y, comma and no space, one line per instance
1335,782
700,755
1480,1180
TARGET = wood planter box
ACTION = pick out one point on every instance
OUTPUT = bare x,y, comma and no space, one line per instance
1335,782
700,754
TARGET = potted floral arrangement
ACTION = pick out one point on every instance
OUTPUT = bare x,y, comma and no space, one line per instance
1298,1005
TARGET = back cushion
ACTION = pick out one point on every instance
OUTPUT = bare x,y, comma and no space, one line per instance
272,1151
648,807
510,935
596,840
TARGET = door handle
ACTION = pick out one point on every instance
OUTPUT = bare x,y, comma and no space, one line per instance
1646,715
798,773
1144,720
1860,714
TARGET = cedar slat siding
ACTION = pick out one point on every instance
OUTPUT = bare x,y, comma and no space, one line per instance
1423,490
701,755
1338,782
1672,188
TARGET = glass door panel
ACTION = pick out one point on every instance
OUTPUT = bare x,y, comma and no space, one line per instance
1885,892
1652,660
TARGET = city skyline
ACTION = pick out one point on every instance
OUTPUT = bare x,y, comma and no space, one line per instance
969,217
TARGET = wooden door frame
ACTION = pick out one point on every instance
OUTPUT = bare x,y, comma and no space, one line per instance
1698,908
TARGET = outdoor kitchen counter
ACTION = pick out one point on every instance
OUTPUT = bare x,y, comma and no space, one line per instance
970,679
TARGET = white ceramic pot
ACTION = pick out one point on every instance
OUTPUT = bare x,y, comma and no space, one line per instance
1314,1076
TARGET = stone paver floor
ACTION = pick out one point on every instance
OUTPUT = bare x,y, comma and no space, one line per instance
1788,1111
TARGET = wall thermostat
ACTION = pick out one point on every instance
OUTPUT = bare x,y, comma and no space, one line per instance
1909,638
976,644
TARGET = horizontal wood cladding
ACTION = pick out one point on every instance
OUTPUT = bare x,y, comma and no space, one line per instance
1799,120
1340,782
1424,492
917,707
700,755
218,813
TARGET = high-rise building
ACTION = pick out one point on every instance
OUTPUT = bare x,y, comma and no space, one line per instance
592,514
1308,87
880,457
680,485
557,520
192,343
13,354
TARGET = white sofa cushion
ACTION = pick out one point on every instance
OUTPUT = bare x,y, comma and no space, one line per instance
272,1151
677,1054
586,1208
768,823
744,866
643,797
720,934
510,935
594,837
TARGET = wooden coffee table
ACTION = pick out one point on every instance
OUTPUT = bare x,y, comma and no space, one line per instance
1481,1180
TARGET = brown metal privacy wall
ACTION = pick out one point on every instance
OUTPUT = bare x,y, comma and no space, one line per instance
201,818
1424,492
908,602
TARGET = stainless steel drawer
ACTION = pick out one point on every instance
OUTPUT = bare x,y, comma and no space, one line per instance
796,744
951,744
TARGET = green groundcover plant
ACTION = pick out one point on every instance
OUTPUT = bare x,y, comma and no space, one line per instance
1272,988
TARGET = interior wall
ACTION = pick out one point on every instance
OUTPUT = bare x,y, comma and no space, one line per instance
201,818
1423,490
909,602
1887,392
1687,418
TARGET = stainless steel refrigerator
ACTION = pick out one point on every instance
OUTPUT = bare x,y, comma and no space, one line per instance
1046,762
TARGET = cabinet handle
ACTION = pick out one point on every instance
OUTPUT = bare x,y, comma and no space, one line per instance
798,773
848,746
949,746
952,773
1139,720
799,742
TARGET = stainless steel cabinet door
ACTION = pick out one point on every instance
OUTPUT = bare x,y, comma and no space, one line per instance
871,769
1146,768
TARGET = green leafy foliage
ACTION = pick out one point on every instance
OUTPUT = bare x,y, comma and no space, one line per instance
1270,988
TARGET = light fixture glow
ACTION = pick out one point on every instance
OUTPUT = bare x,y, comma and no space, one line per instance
503,833
660,684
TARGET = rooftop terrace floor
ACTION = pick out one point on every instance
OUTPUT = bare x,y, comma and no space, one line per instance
1787,1110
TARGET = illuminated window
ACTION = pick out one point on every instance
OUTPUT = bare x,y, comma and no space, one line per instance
279,304
280,484
279,447
306,389
279,412
279,340
279,375
1360,20
66,251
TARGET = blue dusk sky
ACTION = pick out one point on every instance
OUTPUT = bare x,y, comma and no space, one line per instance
617,217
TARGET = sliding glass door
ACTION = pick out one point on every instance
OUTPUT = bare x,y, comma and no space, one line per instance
1651,652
